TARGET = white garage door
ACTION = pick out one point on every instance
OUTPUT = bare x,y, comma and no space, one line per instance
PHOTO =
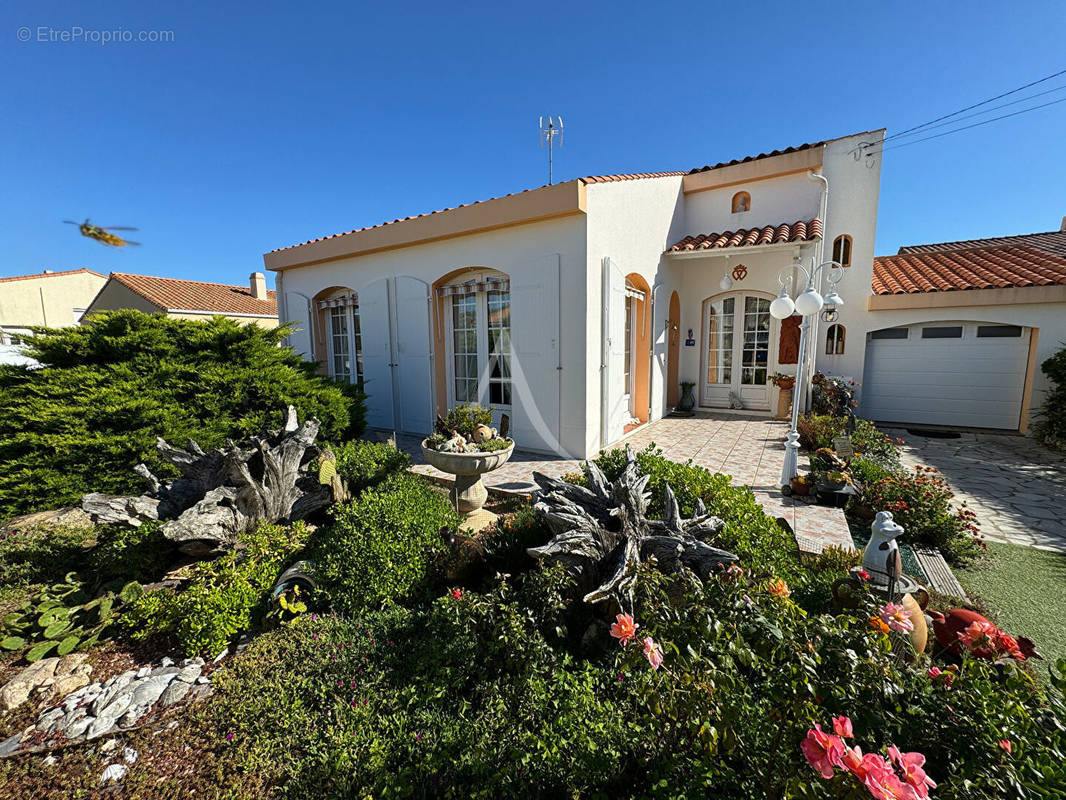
946,373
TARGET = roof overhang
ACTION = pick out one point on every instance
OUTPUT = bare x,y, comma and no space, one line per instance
967,298
547,202
781,247
757,170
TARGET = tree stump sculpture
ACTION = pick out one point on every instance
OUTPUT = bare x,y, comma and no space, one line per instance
226,491
602,533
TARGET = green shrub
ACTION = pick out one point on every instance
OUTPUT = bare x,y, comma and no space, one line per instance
40,555
363,464
1050,427
467,416
749,532
380,548
491,445
867,471
818,430
124,554
920,501
832,395
223,597
875,447
108,388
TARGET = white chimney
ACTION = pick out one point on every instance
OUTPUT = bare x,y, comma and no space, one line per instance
259,286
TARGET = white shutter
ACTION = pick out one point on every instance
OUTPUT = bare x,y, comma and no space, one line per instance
659,311
298,311
535,355
413,366
613,411
377,353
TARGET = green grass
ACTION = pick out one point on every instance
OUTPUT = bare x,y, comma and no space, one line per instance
1025,592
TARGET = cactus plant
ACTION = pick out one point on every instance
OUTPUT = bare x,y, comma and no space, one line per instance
62,617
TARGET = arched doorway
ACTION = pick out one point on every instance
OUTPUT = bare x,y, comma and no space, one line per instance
737,351
637,348
673,342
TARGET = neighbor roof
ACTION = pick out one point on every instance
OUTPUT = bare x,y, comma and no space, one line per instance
770,234
1034,259
173,294
83,270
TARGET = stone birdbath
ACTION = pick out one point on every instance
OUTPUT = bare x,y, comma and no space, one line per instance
468,492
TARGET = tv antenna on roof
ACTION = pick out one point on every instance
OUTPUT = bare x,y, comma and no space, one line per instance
547,138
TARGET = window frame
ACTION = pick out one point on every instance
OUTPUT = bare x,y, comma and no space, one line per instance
835,344
844,240
733,204
481,327
354,341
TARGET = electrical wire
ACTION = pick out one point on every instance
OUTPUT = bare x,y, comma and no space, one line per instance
918,128
964,127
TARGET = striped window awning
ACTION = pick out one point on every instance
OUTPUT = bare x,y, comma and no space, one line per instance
475,286
342,301
636,294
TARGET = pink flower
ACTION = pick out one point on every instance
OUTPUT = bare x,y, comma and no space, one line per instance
895,617
934,673
624,629
822,750
910,764
653,652
842,727
863,574
1006,745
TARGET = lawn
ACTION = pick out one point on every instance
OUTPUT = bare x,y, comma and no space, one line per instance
1026,588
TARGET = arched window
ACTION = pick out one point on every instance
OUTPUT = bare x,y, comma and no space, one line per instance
741,202
842,250
477,310
834,340
338,315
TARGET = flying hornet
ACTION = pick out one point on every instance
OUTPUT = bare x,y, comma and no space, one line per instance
103,235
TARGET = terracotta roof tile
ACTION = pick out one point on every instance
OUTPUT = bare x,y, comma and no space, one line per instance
771,154
770,234
84,270
173,294
1014,261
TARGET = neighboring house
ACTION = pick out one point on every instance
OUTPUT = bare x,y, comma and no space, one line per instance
959,330
196,300
49,298
577,308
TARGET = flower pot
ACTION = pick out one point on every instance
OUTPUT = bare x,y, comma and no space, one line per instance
800,488
688,399
468,492
785,383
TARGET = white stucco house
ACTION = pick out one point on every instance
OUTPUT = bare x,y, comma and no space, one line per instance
578,308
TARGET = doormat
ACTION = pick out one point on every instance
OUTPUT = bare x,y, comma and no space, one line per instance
928,433
681,414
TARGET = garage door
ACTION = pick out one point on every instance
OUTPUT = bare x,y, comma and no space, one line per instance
946,373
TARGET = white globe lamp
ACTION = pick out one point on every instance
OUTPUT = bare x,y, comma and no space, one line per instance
810,302
726,283
783,306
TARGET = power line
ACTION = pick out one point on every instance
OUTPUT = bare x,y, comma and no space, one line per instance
988,110
975,105
965,127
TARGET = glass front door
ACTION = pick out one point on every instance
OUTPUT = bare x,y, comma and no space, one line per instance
736,352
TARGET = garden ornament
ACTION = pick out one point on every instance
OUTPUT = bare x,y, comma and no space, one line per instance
950,624
482,433
882,552
456,444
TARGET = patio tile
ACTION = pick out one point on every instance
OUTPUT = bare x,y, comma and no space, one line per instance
750,449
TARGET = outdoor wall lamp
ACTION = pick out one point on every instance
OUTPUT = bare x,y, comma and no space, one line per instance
807,304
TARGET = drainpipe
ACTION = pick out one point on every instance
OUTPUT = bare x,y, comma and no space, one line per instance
813,336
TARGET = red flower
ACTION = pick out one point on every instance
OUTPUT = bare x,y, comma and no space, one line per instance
457,594
863,574
1006,745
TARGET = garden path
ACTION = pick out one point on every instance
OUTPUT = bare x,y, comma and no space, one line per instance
751,449
1015,484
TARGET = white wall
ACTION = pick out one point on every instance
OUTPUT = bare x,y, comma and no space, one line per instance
1049,318
774,200
632,222
514,250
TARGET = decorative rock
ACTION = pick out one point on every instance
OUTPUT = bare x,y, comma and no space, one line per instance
109,745
100,726
10,744
174,693
203,679
49,761
69,683
143,672
190,673
167,671
112,688
79,727
18,689
198,660
129,755
166,661
14,694
70,662
48,717
129,719
220,656
113,773
117,707
148,691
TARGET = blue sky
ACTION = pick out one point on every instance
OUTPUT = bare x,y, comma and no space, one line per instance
264,124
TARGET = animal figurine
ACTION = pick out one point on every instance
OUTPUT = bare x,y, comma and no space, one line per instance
881,554
482,433
734,401
457,444
950,624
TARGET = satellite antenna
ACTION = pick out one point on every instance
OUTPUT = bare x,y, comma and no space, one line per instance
547,138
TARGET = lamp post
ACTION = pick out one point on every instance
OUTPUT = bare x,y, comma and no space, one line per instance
807,304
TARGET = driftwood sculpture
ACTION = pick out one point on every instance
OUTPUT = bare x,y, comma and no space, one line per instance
602,533
224,492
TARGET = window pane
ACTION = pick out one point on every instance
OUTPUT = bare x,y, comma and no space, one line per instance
945,332
755,353
499,338
338,340
889,333
998,331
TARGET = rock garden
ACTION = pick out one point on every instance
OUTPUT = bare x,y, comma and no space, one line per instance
286,611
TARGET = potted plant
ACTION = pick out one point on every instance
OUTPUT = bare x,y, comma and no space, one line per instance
800,485
783,381
464,445
688,399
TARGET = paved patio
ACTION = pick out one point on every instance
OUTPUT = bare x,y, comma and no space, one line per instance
751,449
1015,485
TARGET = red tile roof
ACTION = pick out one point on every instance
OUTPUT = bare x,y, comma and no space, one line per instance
1036,259
771,234
771,154
173,294
84,270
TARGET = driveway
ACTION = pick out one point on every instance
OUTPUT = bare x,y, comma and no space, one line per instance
1015,485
